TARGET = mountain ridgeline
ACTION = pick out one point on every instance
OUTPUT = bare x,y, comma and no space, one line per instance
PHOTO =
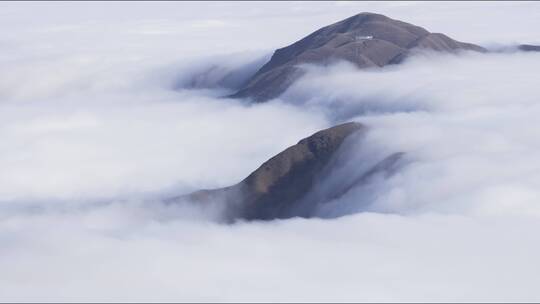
366,39
279,188
301,180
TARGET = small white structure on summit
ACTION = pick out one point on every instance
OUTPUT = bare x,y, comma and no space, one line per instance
369,37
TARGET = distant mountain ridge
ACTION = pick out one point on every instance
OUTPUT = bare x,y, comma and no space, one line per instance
283,186
529,48
366,39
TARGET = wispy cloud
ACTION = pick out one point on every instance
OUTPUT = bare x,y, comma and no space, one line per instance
99,120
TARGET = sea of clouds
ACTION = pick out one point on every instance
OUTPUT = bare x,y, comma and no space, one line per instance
107,108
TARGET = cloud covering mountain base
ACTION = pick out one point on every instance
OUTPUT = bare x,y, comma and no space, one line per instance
98,126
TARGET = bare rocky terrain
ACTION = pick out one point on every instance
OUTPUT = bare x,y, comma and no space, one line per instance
282,187
278,187
366,39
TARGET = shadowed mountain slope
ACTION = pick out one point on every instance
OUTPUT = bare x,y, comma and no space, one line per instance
277,187
529,48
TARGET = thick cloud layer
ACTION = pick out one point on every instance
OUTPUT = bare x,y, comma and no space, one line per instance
119,253
106,108
467,122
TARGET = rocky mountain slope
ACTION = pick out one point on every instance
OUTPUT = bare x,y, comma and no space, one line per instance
277,187
366,39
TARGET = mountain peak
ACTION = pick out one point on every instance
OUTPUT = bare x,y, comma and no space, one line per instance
365,39
274,189
360,18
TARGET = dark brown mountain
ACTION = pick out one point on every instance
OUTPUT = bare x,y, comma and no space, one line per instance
366,39
277,187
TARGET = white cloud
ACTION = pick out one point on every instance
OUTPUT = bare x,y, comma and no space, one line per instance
93,134
366,257
468,123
